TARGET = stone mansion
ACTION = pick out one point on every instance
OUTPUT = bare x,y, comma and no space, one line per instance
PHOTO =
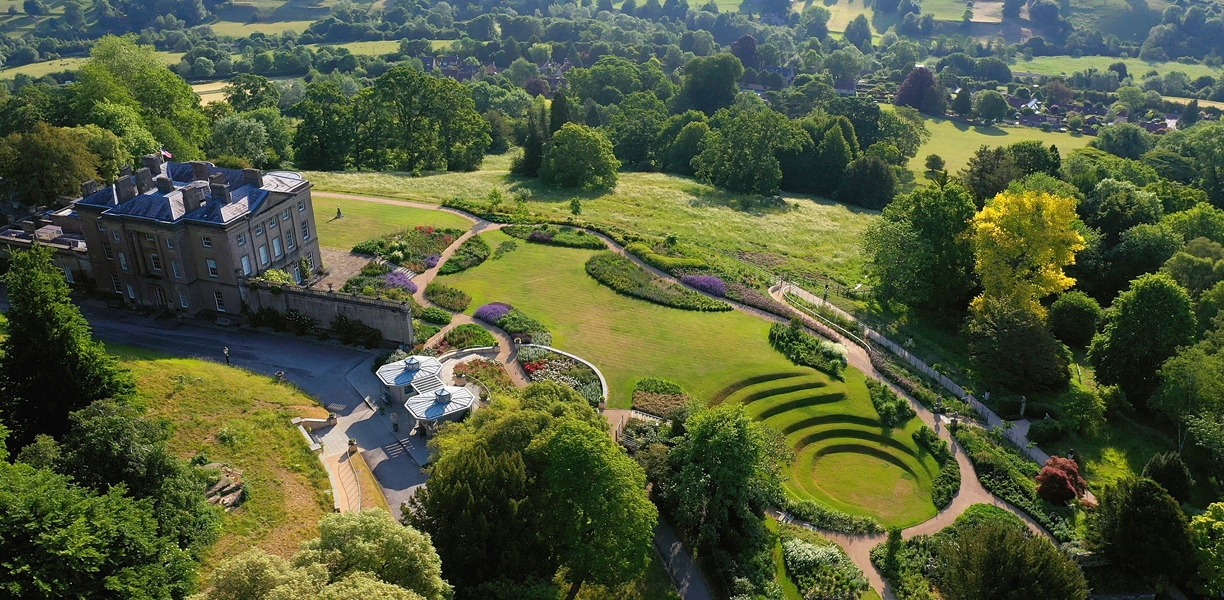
180,236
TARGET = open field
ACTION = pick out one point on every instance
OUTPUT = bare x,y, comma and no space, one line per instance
1055,65
240,29
956,142
810,231
236,417
368,220
39,69
845,459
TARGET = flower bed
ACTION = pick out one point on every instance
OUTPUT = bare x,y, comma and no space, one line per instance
524,329
432,314
452,299
379,280
421,332
487,371
470,253
622,275
805,349
413,248
947,483
468,335
492,312
709,284
555,235
542,364
823,517
667,259
1012,477
658,397
819,567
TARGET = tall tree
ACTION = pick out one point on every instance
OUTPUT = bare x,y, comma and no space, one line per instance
1022,242
1138,525
48,162
998,561
602,522
1143,328
559,111
833,156
580,156
868,182
725,473
323,140
858,32
710,83
940,218
50,365
249,92
741,153
1207,536
914,89
537,135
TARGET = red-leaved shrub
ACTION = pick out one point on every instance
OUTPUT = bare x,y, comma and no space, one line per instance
1059,481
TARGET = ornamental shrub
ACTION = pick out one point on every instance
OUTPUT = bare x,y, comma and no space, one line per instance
805,349
469,335
710,284
452,299
355,333
948,481
1046,431
663,262
470,253
1059,481
823,517
277,276
555,235
433,314
401,280
893,409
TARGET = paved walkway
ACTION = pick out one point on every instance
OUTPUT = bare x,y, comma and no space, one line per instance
690,583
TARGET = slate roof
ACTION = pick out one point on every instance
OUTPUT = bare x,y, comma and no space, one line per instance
167,207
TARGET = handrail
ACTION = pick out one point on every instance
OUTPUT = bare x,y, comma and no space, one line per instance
856,339
357,478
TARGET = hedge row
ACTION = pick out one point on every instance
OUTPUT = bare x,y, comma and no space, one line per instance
947,483
671,264
803,348
555,235
823,517
893,409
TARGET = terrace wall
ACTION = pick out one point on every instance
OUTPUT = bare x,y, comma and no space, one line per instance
393,319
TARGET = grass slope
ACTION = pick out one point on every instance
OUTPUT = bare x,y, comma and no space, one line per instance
811,231
368,220
242,419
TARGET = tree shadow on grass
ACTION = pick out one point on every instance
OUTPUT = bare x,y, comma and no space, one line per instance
991,130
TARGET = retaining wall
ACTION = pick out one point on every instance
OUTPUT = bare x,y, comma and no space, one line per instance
393,319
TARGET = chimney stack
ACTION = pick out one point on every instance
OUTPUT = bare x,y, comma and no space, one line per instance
125,170
163,184
89,187
152,162
220,191
193,195
125,188
253,177
199,170
144,179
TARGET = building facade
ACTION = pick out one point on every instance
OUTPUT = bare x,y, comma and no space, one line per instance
181,236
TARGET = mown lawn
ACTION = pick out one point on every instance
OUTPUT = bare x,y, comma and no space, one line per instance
366,220
1055,65
625,337
236,417
808,232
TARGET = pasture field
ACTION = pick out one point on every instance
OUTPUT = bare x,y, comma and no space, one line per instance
1056,65
956,142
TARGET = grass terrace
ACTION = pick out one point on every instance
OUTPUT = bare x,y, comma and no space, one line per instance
363,220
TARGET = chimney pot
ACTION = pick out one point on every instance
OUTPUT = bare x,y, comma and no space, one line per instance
152,162
199,170
144,179
220,191
164,184
125,188
253,177
193,195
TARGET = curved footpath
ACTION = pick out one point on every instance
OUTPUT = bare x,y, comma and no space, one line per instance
857,546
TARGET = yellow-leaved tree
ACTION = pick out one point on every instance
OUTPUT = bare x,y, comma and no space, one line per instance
1022,241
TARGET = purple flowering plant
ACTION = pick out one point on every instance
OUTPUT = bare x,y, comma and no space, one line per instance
709,284
431,261
492,312
399,279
